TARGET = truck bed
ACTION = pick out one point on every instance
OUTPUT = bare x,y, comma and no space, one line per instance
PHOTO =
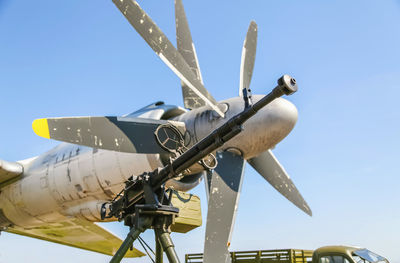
262,256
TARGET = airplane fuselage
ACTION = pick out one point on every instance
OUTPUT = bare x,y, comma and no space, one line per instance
70,181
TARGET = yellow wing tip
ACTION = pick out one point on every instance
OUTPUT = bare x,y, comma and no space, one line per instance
41,128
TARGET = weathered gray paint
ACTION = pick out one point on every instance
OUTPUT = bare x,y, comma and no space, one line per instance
268,166
122,134
186,48
157,40
223,199
66,183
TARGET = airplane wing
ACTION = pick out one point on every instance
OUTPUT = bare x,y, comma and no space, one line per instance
9,170
80,234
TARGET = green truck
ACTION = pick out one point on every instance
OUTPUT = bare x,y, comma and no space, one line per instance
329,254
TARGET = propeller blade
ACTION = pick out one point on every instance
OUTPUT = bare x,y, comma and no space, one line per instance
122,134
225,187
157,40
247,62
187,50
269,167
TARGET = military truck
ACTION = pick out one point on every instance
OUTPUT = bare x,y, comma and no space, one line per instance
329,254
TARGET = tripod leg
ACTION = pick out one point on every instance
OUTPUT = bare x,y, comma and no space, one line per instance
132,236
167,244
159,250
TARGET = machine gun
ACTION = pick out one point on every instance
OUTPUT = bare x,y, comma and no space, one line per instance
144,202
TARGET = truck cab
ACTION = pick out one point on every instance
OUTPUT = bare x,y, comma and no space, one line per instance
346,254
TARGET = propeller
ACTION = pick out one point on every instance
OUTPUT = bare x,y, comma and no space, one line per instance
149,136
157,40
137,135
223,186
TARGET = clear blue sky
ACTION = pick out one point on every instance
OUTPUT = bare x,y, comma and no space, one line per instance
70,58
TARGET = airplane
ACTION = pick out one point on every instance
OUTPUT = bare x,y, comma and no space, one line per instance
57,196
